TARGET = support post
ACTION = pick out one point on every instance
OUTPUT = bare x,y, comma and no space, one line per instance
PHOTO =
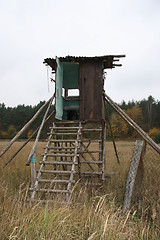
23,129
138,153
33,170
39,132
104,152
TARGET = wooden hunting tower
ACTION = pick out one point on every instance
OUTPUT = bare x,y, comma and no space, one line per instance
86,76
76,143
76,140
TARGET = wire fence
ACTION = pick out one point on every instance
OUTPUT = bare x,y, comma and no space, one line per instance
143,181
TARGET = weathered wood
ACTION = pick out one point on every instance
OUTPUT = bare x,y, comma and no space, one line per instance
92,130
58,155
43,201
63,140
63,133
132,123
39,132
54,171
58,162
90,173
54,181
86,161
113,140
33,170
92,140
73,165
90,154
57,148
104,152
25,143
91,162
138,150
41,167
23,129
89,151
48,190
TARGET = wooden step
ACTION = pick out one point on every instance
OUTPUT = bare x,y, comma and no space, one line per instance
88,151
55,181
90,173
43,201
64,140
49,190
58,162
59,155
65,128
58,151
91,162
55,171
92,130
87,141
58,148
63,133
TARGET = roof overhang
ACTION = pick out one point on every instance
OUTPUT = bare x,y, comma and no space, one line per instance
108,61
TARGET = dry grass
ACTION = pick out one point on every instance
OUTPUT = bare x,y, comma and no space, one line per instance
94,214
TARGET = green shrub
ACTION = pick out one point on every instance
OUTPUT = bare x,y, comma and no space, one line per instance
157,137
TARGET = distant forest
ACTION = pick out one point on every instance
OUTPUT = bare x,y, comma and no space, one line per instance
146,113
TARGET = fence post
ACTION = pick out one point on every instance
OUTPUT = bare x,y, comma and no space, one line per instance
33,170
137,156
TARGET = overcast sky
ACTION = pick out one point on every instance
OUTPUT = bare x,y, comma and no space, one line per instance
31,30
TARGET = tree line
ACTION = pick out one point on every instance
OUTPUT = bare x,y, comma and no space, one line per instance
12,119
146,113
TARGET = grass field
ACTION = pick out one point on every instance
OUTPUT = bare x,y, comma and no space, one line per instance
95,213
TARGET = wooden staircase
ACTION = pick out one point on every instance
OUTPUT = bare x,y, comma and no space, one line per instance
64,161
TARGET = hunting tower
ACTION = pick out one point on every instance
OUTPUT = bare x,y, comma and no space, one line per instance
76,144
86,76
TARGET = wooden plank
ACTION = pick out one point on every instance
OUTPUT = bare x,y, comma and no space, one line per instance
41,168
132,123
69,187
104,152
92,141
24,128
58,155
54,181
88,151
90,173
63,140
65,128
64,133
91,162
57,148
138,151
58,162
43,201
38,134
54,171
25,143
90,154
48,190
98,86
92,130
